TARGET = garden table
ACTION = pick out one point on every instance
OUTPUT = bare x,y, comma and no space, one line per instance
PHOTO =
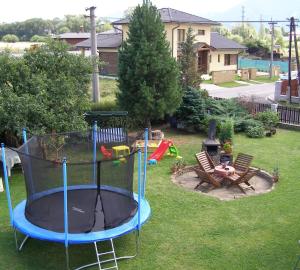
224,171
121,150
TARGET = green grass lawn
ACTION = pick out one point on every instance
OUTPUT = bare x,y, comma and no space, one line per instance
188,230
108,89
266,79
230,84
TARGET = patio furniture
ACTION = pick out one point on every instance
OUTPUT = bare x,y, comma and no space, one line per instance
205,162
242,163
212,179
12,158
237,180
221,171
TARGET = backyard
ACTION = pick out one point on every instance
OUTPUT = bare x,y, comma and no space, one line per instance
189,230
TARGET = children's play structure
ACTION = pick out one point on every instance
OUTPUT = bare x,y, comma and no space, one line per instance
164,146
80,198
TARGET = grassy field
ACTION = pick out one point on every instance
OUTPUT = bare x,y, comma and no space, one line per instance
231,84
266,79
188,230
108,89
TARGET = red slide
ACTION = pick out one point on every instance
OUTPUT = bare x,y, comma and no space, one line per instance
160,151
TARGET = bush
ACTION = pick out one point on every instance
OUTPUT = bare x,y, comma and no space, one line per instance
108,105
269,119
242,124
37,38
255,131
192,109
226,131
10,38
46,90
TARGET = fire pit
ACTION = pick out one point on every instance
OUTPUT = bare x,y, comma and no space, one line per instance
211,144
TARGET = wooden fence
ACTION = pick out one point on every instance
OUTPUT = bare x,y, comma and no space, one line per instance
287,115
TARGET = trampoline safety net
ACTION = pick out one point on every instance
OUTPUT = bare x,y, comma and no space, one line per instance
100,186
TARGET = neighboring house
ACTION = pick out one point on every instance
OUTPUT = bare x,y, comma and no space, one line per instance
213,51
108,43
74,38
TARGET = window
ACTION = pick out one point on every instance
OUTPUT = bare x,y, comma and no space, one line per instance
230,59
227,59
219,58
201,32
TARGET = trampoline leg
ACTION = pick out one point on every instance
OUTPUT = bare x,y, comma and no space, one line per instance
20,247
67,258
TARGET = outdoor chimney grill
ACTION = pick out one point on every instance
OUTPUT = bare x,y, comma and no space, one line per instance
211,144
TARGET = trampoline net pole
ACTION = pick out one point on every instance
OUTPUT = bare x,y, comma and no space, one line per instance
145,162
139,188
95,151
65,179
5,175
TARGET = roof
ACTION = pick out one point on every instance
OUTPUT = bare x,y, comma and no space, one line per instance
74,35
200,45
113,39
108,40
172,15
220,42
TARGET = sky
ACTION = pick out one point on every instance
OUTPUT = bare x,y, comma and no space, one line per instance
20,10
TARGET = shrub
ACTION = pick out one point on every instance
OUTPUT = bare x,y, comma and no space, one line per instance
46,90
10,38
37,38
255,131
192,109
270,119
108,105
226,131
242,124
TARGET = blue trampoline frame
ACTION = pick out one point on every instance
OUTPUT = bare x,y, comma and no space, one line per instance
21,224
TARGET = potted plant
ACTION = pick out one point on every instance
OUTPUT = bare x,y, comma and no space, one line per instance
227,147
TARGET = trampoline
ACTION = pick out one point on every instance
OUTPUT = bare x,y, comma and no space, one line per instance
77,196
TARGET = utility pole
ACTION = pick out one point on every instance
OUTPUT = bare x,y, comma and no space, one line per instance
243,16
272,24
96,90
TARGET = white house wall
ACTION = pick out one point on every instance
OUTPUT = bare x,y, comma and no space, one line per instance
219,66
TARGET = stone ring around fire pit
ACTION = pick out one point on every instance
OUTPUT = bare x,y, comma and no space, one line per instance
187,179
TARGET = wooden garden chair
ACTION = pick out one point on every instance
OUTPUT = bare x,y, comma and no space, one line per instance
242,163
205,162
237,180
213,179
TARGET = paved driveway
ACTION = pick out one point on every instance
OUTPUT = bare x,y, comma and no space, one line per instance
258,91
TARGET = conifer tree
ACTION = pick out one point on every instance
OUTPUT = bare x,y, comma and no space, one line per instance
187,60
148,74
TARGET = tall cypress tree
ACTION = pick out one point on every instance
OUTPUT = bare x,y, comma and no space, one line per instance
189,73
148,74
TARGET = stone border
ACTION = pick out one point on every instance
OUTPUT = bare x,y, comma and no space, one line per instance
262,173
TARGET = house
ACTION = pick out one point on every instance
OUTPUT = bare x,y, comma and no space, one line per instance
108,43
213,51
73,38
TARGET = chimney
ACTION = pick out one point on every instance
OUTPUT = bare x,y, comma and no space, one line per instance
81,29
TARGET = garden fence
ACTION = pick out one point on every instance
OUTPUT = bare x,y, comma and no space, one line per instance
287,115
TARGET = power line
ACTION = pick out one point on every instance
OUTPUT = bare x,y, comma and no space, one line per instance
254,21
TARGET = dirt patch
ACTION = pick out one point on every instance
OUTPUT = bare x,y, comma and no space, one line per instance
188,179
